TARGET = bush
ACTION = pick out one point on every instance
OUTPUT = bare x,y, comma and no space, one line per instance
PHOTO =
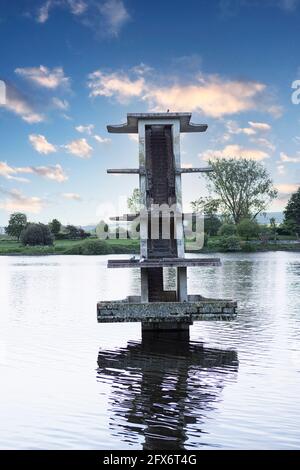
226,230
231,243
90,247
36,234
248,228
248,247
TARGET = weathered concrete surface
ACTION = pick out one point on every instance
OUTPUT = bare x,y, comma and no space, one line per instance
181,312
131,126
163,262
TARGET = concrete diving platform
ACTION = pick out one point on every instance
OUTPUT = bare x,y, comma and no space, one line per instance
163,262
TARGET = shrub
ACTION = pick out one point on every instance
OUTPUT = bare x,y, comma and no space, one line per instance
226,230
90,247
248,247
231,243
248,228
36,234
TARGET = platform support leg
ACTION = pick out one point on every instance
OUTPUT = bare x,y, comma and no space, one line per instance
182,294
144,286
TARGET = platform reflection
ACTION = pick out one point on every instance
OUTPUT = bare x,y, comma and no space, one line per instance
164,390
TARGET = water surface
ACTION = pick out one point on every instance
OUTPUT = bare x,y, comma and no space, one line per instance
70,383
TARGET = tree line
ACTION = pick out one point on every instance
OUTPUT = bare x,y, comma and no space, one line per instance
29,233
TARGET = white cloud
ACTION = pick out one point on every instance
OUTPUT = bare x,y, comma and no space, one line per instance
117,85
288,159
287,188
254,127
264,143
80,148
133,137
234,151
44,77
40,144
260,126
107,16
88,129
102,140
16,201
77,7
43,12
115,15
72,196
63,105
281,169
52,172
20,105
211,95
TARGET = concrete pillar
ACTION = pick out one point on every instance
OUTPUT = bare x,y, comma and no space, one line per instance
144,286
178,219
182,295
143,215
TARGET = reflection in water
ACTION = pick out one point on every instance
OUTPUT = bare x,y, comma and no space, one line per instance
162,390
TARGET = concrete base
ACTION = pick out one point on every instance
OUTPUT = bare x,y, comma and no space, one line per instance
159,316
173,330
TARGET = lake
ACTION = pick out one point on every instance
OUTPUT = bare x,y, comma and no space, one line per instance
68,382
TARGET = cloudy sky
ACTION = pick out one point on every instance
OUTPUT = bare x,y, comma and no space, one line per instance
73,66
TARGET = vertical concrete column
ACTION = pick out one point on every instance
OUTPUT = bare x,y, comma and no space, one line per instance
143,214
178,217
182,284
144,286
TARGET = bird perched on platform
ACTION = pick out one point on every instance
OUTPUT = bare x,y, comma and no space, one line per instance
142,259
133,258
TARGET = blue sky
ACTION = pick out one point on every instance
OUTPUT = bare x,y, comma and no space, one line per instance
73,66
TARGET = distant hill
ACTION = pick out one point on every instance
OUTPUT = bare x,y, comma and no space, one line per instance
265,219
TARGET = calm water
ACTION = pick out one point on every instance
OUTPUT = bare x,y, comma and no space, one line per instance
68,382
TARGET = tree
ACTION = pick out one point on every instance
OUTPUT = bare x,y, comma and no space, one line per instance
243,187
273,227
209,207
76,232
36,234
248,228
292,212
55,227
134,201
226,230
17,223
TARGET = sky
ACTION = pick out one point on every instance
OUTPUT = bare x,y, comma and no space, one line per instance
70,67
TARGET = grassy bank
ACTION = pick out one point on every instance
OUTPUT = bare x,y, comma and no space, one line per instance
97,247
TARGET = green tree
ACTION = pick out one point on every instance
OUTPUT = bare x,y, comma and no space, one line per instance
243,187
134,201
36,234
55,227
273,227
17,222
292,212
248,228
226,230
